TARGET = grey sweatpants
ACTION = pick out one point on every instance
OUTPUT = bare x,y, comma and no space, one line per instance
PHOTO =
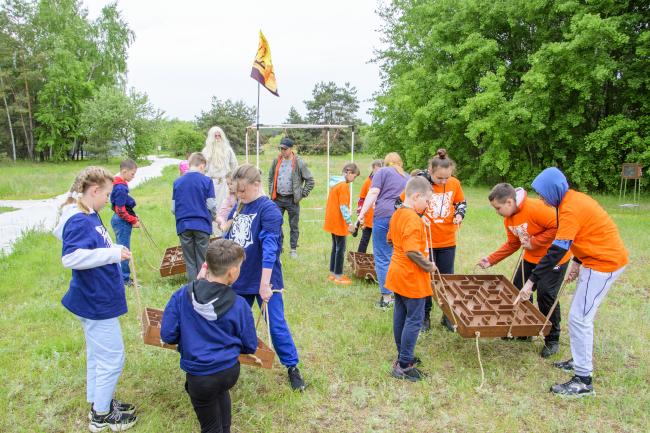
590,291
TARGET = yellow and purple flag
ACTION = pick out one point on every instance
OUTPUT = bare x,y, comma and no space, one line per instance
262,70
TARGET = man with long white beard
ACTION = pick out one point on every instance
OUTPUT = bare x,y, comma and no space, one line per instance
221,160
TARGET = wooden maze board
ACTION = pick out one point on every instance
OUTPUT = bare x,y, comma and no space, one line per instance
363,265
173,262
485,304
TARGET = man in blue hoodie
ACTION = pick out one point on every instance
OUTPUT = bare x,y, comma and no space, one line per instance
599,258
212,326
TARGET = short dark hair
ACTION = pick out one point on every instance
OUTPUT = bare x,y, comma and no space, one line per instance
222,255
352,168
196,159
417,184
502,192
128,164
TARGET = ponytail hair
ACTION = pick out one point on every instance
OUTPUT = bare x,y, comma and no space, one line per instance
441,160
394,160
89,176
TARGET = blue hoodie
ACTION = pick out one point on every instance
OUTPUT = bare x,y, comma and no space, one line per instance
210,324
551,185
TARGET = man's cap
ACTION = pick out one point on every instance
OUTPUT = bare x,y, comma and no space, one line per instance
286,142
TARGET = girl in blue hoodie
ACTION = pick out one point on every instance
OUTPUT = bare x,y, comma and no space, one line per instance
96,294
212,327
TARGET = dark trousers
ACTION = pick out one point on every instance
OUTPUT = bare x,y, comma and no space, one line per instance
285,203
547,288
210,398
338,254
194,245
122,231
408,314
444,260
365,239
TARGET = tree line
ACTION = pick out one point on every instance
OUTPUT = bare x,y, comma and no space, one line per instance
512,86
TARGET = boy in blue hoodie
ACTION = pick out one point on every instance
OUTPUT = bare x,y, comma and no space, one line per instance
212,326
124,219
194,205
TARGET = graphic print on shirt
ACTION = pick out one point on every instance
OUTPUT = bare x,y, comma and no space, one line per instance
439,206
104,234
521,231
241,229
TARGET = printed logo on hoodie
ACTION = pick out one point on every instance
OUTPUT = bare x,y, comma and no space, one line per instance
104,234
241,229
521,231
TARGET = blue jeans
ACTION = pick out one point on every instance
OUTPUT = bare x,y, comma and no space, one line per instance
280,333
122,231
104,360
408,314
382,251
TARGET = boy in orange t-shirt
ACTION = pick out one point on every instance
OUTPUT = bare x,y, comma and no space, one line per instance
409,275
367,221
338,220
599,259
530,224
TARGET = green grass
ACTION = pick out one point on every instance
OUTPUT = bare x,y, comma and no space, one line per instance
345,344
7,209
25,180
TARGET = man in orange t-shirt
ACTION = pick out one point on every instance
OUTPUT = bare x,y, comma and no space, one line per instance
599,259
366,233
532,225
338,220
409,275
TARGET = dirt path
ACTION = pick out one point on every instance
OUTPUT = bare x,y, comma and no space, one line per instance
41,214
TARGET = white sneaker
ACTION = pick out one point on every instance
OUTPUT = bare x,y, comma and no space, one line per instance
293,254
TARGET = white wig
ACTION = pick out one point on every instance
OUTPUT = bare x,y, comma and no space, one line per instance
217,152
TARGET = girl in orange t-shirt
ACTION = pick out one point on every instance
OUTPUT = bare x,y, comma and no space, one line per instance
338,220
409,276
445,213
367,222
599,258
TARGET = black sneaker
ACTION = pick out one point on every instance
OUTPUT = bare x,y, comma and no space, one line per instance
116,404
384,305
565,365
114,420
573,388
426,325
297,383
447,323
550,348
409,373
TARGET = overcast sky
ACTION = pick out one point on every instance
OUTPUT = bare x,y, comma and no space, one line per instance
186,52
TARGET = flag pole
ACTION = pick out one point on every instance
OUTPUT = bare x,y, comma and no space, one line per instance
257,157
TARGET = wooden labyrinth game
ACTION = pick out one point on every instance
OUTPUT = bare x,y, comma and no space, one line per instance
486,304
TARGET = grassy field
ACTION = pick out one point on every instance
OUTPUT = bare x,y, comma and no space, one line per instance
25,180
345,344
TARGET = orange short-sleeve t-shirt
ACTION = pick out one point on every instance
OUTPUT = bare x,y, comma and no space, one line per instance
334,221
406,232
367,219
531,219
594,235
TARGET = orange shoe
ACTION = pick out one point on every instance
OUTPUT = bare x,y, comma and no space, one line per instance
331,277
343,280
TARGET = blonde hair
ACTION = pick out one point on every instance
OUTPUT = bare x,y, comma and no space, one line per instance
196,159
393,160
89,176
248,173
